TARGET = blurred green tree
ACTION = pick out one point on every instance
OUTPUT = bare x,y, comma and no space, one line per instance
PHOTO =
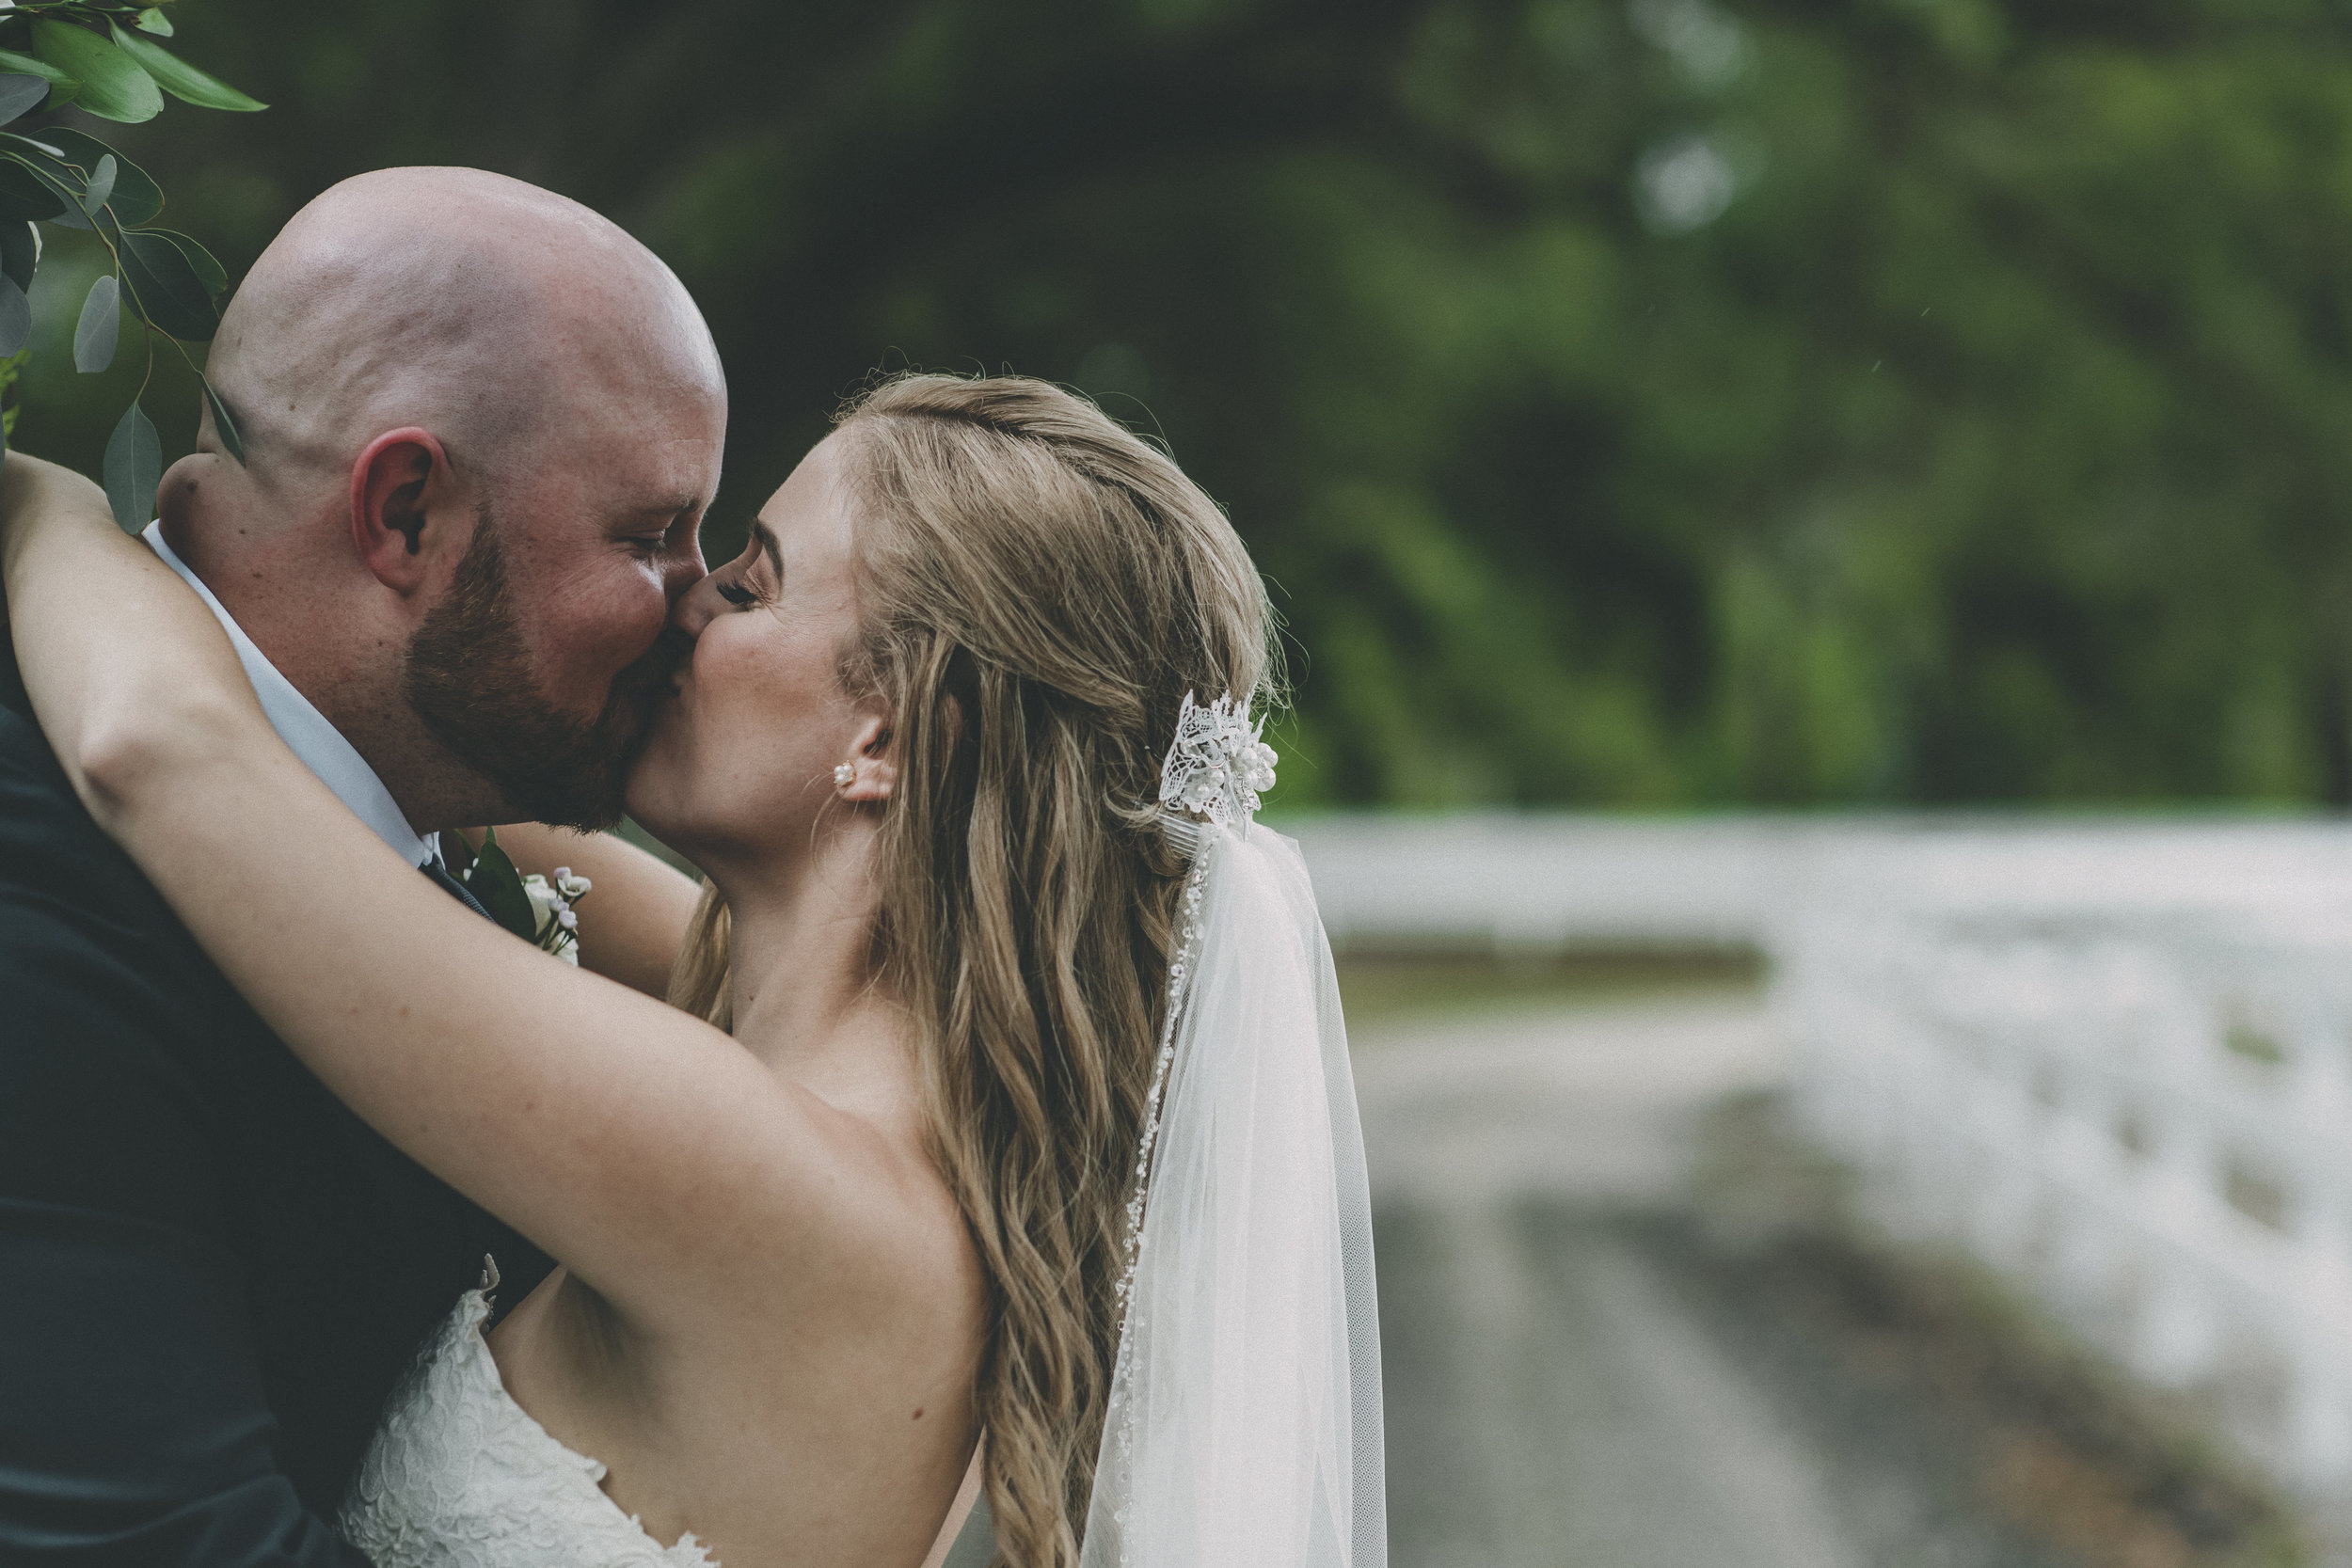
1681,402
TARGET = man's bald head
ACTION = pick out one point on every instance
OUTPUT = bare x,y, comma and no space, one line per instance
481,426
460,301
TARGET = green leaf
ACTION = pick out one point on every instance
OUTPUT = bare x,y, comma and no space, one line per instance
100,186
21,92
134,466
155,21
20,253
136,197
94,335
63,88
181,79
224,426
113,85
16,316
214,279
26,197
164,289
63,186
496,884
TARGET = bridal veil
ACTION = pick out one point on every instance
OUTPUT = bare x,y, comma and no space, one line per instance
1244,1423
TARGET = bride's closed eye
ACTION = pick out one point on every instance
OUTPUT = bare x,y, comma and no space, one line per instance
736,594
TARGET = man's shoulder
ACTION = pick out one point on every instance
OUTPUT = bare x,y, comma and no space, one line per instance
53,856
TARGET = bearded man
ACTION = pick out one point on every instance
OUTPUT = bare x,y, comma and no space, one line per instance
481,426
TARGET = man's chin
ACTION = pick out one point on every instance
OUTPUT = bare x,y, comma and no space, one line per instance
470,681
590,796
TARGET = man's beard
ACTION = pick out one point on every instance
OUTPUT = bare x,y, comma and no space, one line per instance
469,680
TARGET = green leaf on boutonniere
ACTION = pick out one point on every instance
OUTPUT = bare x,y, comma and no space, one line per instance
499,888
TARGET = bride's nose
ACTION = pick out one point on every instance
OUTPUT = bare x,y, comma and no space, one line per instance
695,607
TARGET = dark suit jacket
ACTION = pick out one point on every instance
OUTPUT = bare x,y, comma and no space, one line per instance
210,1272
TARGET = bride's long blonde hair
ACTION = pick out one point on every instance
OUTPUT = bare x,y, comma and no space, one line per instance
1038,590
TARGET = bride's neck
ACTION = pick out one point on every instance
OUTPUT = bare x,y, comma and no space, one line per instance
800,972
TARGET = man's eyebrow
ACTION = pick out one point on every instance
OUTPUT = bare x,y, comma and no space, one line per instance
670,510
767,545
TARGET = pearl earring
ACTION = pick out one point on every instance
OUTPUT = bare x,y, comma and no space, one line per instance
844,775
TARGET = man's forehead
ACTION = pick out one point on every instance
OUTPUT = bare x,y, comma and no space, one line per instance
635,468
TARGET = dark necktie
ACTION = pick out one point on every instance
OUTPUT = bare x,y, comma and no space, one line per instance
437,873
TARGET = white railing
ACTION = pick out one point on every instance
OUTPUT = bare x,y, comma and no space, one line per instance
2127,1087
1527,882
2112,1060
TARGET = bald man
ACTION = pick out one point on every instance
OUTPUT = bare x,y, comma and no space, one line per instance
481,425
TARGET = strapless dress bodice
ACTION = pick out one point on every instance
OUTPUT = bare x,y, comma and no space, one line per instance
459,1476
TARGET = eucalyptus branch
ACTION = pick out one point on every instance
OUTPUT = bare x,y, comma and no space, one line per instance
102,56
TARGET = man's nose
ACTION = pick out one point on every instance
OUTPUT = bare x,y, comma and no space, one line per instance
684,569
691,610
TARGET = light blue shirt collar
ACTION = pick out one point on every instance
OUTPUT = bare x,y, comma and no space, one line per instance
319,744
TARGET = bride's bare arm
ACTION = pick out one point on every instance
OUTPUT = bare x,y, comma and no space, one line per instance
635,921
618,1133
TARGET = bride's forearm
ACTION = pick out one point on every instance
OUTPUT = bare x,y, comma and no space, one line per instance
127,672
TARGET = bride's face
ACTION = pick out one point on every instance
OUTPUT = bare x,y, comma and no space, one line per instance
740,761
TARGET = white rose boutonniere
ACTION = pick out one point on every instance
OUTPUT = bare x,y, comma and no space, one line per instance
551,908
537,908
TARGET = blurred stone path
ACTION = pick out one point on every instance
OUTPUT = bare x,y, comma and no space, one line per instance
1569,1382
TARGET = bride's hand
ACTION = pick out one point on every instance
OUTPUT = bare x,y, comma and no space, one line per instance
126,669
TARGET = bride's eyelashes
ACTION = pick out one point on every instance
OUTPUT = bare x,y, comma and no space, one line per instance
736,594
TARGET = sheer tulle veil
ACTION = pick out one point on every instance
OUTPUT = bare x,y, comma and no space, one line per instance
1243,1424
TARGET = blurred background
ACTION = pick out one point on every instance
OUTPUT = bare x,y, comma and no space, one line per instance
1879,407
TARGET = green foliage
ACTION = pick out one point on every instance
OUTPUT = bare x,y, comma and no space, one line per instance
10,370
1651,403
499,888
224,424
134,197
113,85
181,79
134,466
62,88
63,175
95,333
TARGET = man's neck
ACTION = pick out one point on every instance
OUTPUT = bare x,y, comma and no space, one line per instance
318,741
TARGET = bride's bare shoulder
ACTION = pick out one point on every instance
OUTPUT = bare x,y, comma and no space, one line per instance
891,1234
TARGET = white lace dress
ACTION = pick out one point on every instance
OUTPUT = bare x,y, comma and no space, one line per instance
459,1476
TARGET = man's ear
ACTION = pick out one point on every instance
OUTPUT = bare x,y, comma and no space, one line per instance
404,506
876,771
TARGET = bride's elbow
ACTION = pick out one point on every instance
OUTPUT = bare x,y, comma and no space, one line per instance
134,746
